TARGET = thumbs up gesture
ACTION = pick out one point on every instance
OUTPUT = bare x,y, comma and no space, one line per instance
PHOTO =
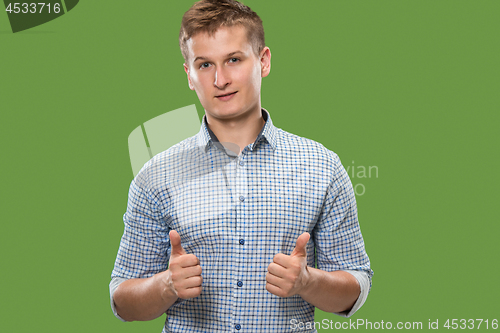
288,275
184,270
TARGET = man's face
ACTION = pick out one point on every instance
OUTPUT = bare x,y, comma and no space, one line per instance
226,73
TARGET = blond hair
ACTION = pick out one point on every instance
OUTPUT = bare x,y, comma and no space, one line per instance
209,15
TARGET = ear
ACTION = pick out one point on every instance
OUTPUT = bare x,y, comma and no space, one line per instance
186,69
265,61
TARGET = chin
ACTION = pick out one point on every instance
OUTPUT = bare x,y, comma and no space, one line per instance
226,113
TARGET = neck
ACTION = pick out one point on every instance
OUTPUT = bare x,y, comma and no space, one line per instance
240,131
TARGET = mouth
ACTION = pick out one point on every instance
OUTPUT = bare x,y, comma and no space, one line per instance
225,97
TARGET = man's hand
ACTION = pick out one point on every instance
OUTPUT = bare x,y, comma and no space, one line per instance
149,298
288,275
184,270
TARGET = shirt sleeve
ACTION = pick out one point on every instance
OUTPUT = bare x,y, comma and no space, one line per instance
337,236
145,246
115,282
364,284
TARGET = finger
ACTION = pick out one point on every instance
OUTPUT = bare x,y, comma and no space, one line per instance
300,245
189,293
175,243
274,280
180,274
188,260
282,260
275,290
276,270
191,282
191,271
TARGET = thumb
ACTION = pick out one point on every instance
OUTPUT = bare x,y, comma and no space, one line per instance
300,245
175,243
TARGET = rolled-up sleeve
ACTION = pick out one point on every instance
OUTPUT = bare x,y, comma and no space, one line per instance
113,285
337,236
145,246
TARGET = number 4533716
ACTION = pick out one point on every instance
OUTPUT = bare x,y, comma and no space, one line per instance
470,324
32,8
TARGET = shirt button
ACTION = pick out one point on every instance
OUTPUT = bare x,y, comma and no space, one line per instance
242,163
242,198
242,241
240,284
237,326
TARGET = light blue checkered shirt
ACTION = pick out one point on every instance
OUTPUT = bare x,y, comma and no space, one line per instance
235,212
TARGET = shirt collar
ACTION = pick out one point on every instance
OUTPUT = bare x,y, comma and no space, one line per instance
267,133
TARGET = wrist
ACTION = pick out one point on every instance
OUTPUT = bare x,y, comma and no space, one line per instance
165,286
310,282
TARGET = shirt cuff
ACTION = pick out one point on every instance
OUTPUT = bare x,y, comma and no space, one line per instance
364,284
115,282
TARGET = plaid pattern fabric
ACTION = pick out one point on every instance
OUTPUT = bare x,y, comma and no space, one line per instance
235,213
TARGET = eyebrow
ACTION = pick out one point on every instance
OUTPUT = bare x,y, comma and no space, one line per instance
229,55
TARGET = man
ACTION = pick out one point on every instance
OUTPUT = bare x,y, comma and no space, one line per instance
240,212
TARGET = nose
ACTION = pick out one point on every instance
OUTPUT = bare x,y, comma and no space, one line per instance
221,79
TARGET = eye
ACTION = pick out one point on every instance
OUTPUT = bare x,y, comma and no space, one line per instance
205,65
233,60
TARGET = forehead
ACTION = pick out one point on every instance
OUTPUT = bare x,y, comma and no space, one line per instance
224,41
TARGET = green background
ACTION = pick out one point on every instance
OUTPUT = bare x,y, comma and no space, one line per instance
411,87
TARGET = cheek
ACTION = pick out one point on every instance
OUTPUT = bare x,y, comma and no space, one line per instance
199,82
256,78
251,78
194,79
